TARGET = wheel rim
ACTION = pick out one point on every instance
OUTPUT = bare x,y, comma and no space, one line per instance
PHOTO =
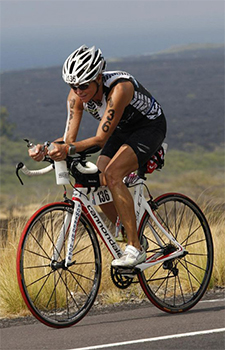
178,284
58,295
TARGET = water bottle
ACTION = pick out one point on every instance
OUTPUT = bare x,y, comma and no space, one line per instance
61,171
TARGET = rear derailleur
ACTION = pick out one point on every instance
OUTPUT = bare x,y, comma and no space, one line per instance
170,264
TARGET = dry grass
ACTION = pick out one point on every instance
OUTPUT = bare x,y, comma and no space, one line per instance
11,301
210,199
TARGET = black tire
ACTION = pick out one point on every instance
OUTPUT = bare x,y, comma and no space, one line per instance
177,285
58,296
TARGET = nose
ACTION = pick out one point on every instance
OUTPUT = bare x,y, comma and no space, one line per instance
79,92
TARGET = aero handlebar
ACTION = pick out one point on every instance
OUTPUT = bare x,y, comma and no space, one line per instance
88,168
78,162
28,172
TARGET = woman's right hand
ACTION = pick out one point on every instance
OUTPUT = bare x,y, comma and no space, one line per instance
39,153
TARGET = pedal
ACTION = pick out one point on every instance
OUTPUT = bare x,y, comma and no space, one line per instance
128,272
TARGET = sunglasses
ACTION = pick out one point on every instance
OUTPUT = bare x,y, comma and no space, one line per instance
81,87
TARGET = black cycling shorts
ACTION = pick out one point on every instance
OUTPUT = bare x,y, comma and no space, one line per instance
145,140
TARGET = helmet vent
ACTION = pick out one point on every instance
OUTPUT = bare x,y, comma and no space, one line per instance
71,67
79,74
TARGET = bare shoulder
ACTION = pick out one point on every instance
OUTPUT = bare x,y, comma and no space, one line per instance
123,90
123,87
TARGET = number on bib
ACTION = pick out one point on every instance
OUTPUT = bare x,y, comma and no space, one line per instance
102,196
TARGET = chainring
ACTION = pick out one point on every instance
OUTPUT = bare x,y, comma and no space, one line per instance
120,280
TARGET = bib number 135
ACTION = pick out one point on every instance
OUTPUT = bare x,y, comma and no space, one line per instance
102,196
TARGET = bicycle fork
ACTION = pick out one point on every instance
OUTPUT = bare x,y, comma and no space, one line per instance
73,229
70,225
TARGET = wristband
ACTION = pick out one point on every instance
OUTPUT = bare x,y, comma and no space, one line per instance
71,150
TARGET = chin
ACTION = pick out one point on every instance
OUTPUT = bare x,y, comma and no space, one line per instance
85,99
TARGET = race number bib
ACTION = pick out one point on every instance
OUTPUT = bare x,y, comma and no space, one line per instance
101,196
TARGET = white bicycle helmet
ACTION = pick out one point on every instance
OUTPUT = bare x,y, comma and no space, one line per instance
83,65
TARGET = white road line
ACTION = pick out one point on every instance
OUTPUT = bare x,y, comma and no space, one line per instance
173,336
211,300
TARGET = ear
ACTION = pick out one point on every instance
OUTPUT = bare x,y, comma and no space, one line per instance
99,78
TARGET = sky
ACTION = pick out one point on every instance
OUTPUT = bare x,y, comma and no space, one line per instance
43,33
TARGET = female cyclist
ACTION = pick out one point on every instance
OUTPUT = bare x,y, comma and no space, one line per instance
131,129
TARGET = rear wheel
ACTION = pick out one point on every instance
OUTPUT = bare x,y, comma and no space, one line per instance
58,295
177,284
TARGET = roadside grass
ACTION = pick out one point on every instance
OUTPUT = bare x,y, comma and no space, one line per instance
204,184
11,302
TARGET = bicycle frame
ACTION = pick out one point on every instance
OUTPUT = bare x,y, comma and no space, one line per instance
84,201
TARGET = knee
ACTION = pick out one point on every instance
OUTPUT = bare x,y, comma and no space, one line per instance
112,177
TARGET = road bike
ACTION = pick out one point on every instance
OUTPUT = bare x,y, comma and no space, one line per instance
59,259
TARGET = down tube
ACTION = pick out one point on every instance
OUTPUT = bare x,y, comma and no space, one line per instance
102,230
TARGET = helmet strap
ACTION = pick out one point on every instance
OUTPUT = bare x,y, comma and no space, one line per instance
98,86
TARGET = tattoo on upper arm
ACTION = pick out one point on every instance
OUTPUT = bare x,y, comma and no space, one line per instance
110,102
110,116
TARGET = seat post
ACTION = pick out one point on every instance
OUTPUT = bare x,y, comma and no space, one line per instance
141,171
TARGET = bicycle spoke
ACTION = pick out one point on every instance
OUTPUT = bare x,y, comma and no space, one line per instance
39,279
154,273
197,254
181,220
46,254
190,235
189,277
81,250
76,280
50,239
181,289
178,284
164,223
79,275
54,289
196,242
166,287
189,272
59,295
39,292
199,267
85,263
38,254
36,267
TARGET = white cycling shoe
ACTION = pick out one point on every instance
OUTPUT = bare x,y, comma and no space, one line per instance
130,258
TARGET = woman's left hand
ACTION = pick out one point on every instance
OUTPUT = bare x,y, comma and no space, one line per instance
59,152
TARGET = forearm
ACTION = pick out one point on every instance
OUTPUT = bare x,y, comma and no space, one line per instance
87,143
60,139
61,151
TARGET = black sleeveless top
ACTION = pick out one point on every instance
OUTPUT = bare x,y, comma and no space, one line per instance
142,108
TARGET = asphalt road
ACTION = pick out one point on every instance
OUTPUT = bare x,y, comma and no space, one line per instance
127,328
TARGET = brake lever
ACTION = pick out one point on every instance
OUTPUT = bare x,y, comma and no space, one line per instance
18,167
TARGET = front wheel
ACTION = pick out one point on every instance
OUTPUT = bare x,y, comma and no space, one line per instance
58,295
177,284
